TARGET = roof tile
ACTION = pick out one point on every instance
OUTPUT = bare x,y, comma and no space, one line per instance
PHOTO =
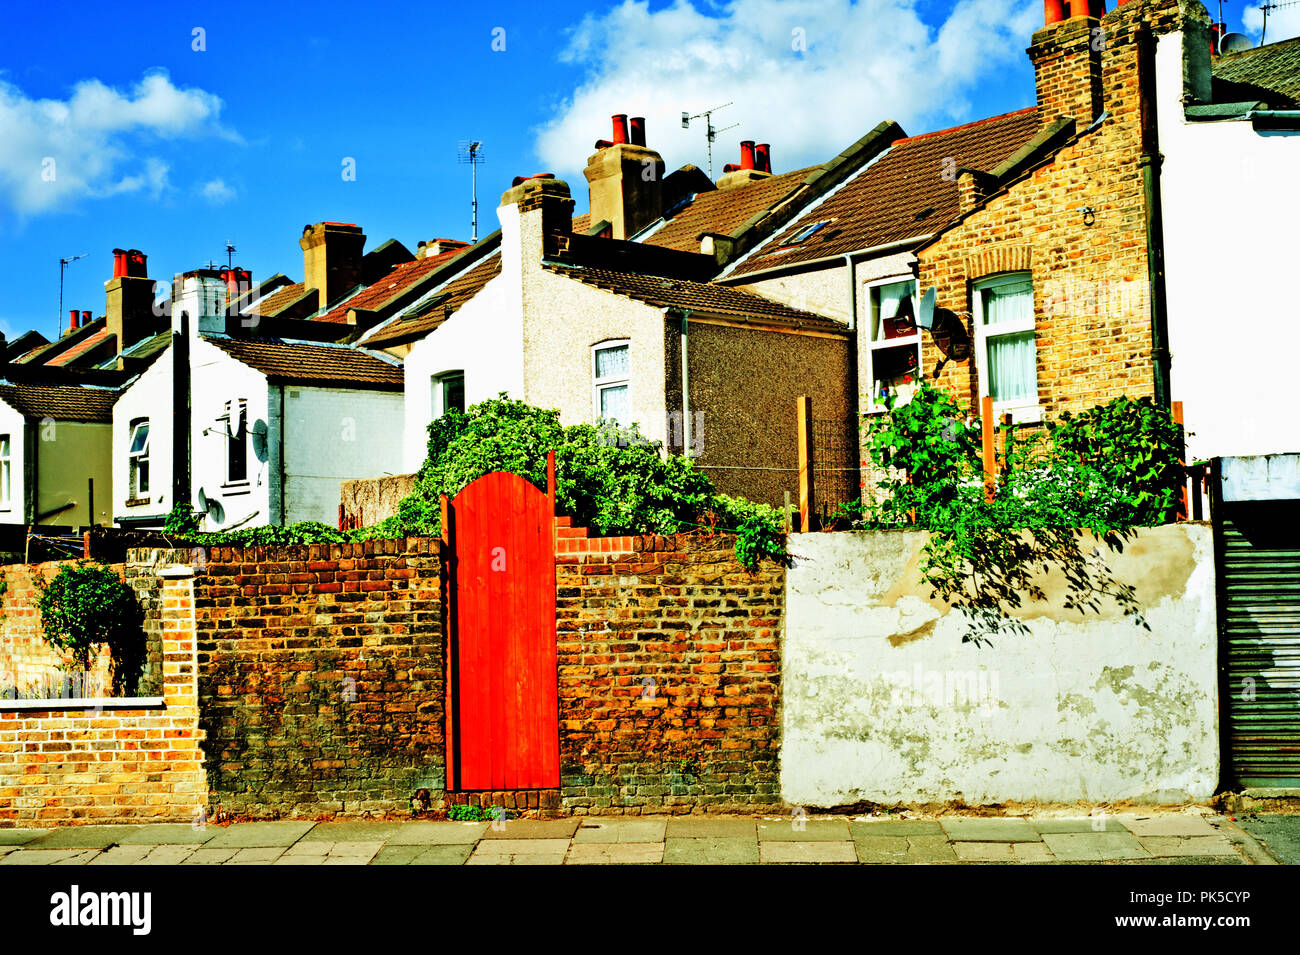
306,363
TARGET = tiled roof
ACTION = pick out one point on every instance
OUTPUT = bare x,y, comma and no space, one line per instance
699,296
1274,66
901,195
61,402
279,300
724,210
82,347
445,301
312,364
400,280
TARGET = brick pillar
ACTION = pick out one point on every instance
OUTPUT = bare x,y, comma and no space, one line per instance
1067,69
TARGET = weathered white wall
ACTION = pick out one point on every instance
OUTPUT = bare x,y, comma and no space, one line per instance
1230,208
332,435
149,396
12,423
883,702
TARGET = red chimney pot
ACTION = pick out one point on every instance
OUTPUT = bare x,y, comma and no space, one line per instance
1097,8
85,318
620,128
1053,11
763,157
73,315
746,154
119,263
637,130
730,167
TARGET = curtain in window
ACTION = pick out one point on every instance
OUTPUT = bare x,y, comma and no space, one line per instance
614,404
1013,375
888,300
1009,303
612,362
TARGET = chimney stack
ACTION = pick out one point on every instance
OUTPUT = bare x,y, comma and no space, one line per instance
1067,61
625,179
128,308
755,163
536,216
331,259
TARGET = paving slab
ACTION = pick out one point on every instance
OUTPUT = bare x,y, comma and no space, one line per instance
437,833
353,831
122,855
49,857
168,855
423,855
620,830
1167,846
534,851
615,853
929,850
691,827
167,834
804,830
965,829
18,837
881,849
259,835
871,828
1094,846
534,829
711,851
820,851
1078,824
255,855
207,856
1181,824
984,851
1032,852
82,837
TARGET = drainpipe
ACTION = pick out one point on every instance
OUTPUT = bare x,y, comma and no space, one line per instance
855,386
181,412
686,389
1149,164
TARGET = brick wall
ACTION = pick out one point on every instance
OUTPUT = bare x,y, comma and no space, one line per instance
669,659
1091,292
321,676
27,663
122,762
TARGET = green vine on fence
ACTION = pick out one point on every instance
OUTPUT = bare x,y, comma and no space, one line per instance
1094,475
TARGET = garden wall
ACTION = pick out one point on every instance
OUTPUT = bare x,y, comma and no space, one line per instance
321,676
76,761
670,676
884,703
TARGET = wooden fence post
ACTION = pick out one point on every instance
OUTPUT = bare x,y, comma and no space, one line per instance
1181,508
986,437
807,462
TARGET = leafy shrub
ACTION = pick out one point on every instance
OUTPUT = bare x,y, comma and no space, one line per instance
181,520
759,528
87,605
475,813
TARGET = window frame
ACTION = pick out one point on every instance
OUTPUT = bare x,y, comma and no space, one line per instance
1022,410
600,385
438,383
235,409
6,472
872,289
134,458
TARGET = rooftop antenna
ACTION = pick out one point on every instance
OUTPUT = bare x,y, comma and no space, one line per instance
1264,8
471,151
230,253
710,131
63,264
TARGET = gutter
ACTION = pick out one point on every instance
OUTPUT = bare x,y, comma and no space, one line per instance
1274,118
686,387
808,264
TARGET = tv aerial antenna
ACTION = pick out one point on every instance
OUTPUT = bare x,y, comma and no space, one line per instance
230,253
470,152
1264,8
710,131
63,265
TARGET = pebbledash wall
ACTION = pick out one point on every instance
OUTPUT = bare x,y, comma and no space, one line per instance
105,759
884,703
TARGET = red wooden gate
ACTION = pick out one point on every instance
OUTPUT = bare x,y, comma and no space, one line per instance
502,694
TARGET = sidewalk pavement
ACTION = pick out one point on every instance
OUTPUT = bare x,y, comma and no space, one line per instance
1161,838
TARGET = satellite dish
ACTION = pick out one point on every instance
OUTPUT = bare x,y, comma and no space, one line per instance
204,504
259,435
926,318
1235,43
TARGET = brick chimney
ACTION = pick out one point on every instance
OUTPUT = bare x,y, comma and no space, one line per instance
625,179
128,309
331,258
1066,54
536,216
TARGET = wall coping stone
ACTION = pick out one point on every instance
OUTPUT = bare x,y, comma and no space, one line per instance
97,703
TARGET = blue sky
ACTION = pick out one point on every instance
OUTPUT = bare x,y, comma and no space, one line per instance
172,150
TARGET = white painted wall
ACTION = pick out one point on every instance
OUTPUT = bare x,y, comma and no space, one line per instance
333,435
883,702
149,396
1231,247
12,423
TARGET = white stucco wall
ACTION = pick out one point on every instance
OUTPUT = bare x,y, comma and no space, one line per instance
333,435
12,423
883,702
149,396
1230,208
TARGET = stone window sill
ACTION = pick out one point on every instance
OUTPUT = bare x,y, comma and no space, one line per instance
97,703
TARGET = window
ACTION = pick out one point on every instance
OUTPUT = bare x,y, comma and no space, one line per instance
138,459
6,472
448,392
807,232
1005,352
236,428
894,347
611,396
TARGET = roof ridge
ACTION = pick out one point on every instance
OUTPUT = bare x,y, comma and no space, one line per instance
965,126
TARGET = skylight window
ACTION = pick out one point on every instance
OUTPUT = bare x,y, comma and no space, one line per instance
807,232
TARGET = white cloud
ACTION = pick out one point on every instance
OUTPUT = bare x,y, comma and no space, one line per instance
217,192
54,152
1283,23
864,62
